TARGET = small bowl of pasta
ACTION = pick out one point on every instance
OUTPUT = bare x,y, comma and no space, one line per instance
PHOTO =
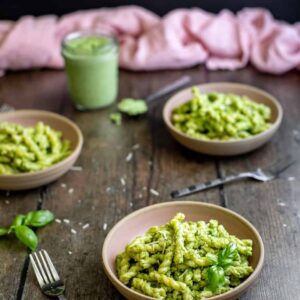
222,118
36,148
183,251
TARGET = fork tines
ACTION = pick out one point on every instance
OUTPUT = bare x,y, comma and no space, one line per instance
43,268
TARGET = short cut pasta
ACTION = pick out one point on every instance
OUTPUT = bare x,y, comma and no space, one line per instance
176,261
29,149
218,116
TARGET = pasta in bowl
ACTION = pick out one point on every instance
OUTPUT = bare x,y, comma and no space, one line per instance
222,118
37,147
179,250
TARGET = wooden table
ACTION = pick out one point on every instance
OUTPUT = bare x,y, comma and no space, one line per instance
100,200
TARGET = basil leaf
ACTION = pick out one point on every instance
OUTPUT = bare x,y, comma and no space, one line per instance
18,220
26,236
216,277
39,218
3,231
227,255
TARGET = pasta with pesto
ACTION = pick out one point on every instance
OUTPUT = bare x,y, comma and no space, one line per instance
219,116
184,260
30,149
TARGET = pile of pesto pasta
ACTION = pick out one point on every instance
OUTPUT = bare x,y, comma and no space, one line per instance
29,149
184,260
218,116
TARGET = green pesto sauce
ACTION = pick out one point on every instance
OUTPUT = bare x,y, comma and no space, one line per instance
88,45
219,116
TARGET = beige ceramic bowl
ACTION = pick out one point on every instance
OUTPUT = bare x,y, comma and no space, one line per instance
139,221
69,130
224,148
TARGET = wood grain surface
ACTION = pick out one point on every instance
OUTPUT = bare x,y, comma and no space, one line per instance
96,196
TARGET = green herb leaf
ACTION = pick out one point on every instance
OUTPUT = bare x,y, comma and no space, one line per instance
26,236
3,231
18,220
116,118
227,255
133,107
216,277
39,218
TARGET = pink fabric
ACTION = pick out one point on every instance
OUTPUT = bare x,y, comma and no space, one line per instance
182,38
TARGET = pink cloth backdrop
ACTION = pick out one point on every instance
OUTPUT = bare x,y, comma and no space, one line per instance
180,39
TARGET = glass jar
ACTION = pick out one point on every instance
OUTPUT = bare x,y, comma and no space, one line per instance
91,63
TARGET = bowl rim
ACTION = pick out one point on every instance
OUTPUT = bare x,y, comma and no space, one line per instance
273,126
76,150
240,288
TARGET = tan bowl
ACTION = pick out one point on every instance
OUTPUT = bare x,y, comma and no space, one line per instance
69,130
139,221
224,148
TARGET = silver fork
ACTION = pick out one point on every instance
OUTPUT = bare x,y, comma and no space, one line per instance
263,175
46,274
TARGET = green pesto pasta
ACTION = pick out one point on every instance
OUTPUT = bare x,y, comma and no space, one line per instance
218,116
184,260
30,149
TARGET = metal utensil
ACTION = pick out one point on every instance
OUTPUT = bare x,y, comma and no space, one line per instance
264,175
46,274
182,81
5,107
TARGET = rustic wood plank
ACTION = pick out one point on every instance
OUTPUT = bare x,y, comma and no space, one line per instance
100,198
273,207
160,163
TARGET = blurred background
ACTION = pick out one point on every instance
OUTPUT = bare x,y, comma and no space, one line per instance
288,10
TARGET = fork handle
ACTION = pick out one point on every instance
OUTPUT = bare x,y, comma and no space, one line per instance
62,297
207,185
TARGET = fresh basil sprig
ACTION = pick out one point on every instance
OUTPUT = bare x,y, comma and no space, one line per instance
27,236
215,273
216,277
21,224
39,218
3,231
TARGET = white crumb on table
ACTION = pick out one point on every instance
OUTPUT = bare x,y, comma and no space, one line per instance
86,226
144,188
67,221
284,225
291,178
108,189
122,180
135,147
281,203
71,191
7,201
129,157
140,196
76,168
63,185
58,221
104,226
154,192
70,252
73,231
130,204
